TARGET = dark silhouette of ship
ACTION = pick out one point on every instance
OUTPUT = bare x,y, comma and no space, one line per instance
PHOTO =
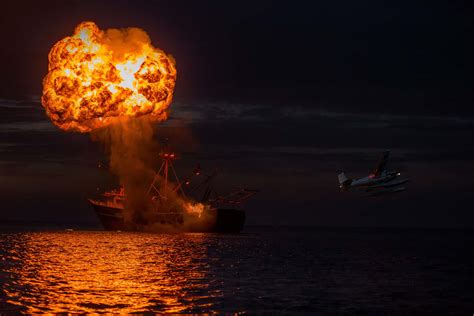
209,213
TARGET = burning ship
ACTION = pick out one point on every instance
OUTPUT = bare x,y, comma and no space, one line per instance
116,84
169,207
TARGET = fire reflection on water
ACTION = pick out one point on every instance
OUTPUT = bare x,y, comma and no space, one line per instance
106,272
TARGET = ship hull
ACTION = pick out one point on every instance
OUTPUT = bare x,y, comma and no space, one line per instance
226,221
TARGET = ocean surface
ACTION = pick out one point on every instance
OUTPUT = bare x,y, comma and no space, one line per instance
369,271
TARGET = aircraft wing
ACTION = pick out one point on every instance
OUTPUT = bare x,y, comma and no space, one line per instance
382,164
390,184
386,191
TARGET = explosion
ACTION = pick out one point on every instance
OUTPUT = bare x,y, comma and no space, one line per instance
115,85
96,77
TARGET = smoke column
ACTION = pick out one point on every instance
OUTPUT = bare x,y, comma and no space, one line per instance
133,154
132,151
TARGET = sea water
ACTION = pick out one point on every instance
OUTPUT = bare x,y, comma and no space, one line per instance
402,271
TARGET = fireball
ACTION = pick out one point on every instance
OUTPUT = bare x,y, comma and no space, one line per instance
96,77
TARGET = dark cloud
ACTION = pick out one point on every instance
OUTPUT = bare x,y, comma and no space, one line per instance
348,56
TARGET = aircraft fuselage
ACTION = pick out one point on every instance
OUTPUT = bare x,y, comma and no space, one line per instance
372,180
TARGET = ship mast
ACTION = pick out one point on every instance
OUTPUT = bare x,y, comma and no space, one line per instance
160,188
162,176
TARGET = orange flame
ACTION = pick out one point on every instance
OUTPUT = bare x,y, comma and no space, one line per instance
194,208
97,76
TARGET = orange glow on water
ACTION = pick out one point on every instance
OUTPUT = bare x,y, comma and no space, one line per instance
85,272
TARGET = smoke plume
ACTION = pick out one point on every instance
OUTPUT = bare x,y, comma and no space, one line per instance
133,153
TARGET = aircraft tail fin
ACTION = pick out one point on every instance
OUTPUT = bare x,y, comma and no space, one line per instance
344,181
382,164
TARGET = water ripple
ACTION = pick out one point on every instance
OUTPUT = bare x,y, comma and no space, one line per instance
307,272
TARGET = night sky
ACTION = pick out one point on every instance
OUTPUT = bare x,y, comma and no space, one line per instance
278,96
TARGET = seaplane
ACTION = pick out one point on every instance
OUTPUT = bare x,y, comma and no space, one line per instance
378,182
